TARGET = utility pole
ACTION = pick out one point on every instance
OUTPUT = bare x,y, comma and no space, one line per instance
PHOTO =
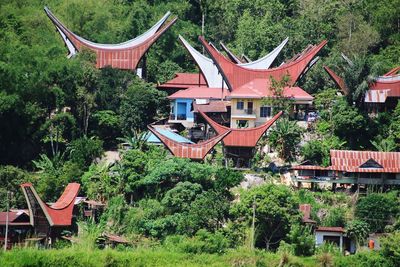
8,207
253,224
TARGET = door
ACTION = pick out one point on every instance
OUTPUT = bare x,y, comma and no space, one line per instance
181,112
249,107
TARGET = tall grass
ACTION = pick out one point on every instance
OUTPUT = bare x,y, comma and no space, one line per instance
76,257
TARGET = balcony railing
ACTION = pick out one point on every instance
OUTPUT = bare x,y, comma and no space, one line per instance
250,111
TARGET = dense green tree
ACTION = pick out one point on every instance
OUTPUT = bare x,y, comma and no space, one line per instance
84,150
376,210
317,151
302,239
141,105
180,197
390,247
11,178
275,209
349,124
359,230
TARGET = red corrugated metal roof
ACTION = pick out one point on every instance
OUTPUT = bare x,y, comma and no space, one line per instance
236,76
200,93
120,58
330,229
192,151
247,137
184,80
350,161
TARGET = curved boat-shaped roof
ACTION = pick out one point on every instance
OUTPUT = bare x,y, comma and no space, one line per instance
266,61
210,70
247,137
58,214
392,71
235,75
191,151
338,80
124,55
386,83
232,57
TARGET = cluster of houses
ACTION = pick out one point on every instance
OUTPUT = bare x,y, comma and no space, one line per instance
227,102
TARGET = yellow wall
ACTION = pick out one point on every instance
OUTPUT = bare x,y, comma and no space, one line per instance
253,120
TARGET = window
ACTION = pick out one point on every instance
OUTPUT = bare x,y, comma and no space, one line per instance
242,123
265,112
240,105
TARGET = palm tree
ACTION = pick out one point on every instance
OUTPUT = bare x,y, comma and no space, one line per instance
285,137
384,145
357,76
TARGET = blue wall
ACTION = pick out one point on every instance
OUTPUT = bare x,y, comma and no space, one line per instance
178,109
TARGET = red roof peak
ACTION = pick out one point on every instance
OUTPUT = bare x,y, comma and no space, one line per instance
247,137
236,76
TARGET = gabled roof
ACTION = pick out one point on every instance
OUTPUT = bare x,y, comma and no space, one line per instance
247,137
122,56
59,213
14,218
184,81
236,76
260,88
358,161
262,63
192,151
351,161
200,93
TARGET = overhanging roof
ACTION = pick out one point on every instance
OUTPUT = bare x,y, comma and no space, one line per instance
236,76
192,151
59,213
247,137
124,55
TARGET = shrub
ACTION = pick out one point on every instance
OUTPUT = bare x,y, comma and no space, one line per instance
376,209
391,247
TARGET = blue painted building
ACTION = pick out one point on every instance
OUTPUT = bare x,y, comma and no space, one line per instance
182,110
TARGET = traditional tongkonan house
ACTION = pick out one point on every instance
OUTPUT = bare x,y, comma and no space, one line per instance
383,93
48,221
240,89
353,168
126,55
